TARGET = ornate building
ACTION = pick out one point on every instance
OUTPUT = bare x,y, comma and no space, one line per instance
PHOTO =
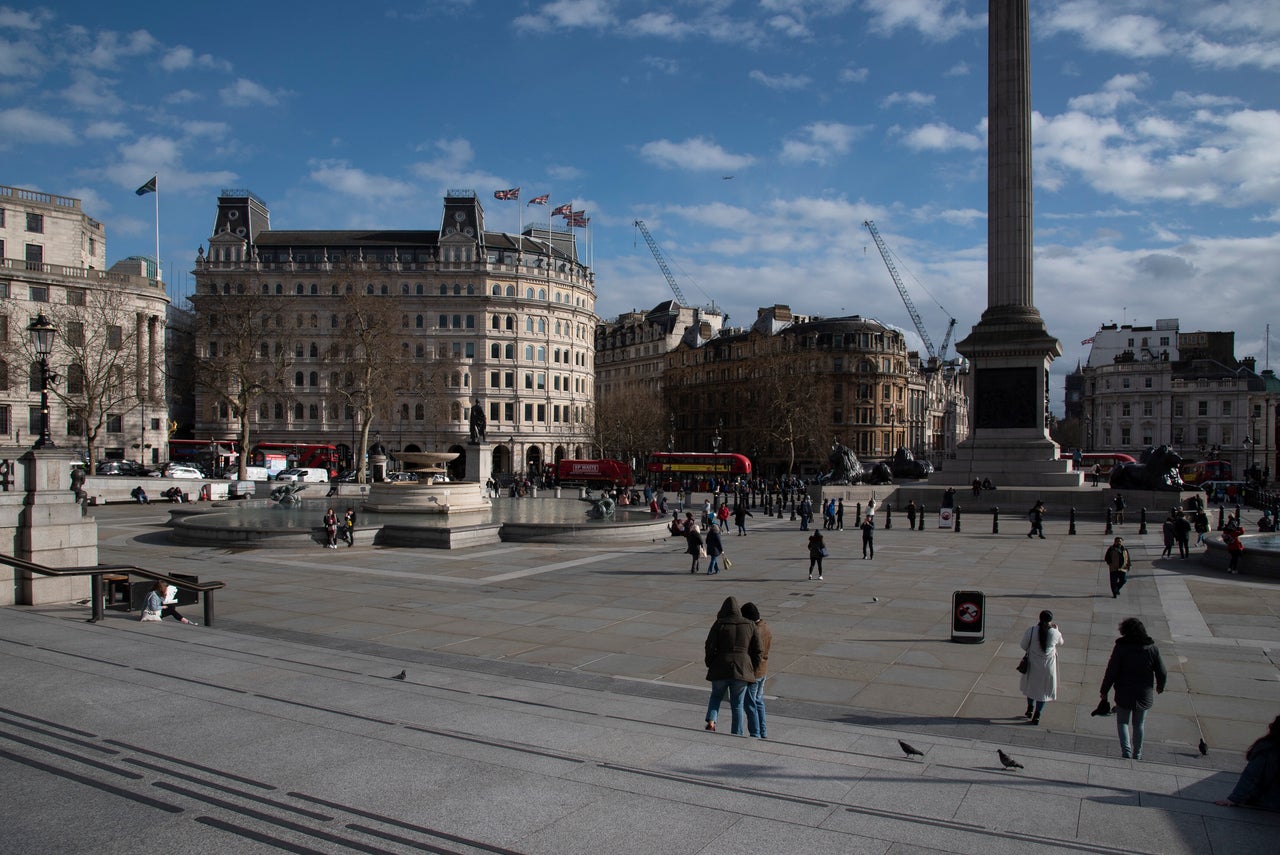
783,390
510,317
108,357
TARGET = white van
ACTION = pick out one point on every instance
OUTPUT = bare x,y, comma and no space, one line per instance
305,475
256,473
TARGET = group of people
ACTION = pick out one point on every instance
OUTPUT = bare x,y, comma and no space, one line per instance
332,526
1176,530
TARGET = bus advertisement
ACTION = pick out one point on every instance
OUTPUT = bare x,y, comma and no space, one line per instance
673,468
277,456
594,472
1205,470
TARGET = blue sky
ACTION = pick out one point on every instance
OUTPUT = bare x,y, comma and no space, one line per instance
1157,141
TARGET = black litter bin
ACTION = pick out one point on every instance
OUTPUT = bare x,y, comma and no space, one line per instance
968,617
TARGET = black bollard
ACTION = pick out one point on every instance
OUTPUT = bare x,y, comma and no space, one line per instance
921,517
995,520
957,518
888,516
859,508
1072,528
1222,520
793,511
1142,521
1108,530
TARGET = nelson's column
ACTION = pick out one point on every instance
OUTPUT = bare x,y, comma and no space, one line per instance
1009,348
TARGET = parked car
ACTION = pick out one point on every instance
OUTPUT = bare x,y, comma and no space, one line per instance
307,475
439,479
178,470
128,468
241,489
403,477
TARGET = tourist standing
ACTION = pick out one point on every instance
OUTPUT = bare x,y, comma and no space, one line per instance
695,547
1202,525
1182,533
1231,532
1039,683
331,529
349,527
1259,784
732,655
714,549
1135,668
1118,564
754,703
868,527
1166,531
911,514
817,551
1117,505
1037,519
840,514
740,514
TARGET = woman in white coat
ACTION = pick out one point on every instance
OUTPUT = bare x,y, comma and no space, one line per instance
1040,682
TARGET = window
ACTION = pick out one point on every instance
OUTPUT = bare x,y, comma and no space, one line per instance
75,333
35,223
1125,438
469,350
115,423
1124,409
528,380
1226,408
34,254
4,380
1124,383
1202,408
38,294
75,297
1146,411
1146,382
1178,409
6,417
444,322
1226,434
115,337
494,407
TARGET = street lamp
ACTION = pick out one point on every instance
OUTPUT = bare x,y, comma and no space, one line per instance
43,333
715,451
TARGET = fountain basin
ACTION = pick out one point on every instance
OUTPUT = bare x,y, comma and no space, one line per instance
1261,556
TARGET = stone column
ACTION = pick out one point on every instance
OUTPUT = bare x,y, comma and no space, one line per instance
1009,349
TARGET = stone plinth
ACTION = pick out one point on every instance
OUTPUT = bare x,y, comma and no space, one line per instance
479,461
41,521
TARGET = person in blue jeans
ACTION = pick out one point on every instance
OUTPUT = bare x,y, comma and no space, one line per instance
715,548
1259,784
732,655
754,703
1135,668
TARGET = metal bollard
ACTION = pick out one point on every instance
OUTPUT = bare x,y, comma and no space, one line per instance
921,528
1108,529
1072,528
957,519
1142,521
859,507
888,516
1222,520
995,520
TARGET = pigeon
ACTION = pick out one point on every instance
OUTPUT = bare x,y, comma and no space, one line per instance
1204,747
399,676
875,599
909,749
1007,761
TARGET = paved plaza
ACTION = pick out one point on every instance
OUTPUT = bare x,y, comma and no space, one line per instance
555,697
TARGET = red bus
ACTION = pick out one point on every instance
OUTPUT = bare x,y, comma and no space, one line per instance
677,466
276,456
1206,470
594,472
1106,461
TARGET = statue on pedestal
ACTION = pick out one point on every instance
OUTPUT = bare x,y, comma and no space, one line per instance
478,424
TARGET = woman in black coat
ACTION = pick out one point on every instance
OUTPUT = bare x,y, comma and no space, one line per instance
696,547
732,656
1135,668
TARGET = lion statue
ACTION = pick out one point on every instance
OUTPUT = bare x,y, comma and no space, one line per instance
1156,469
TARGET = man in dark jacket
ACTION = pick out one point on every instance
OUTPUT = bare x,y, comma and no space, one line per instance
1134,669
732,655
1118,564
1182,533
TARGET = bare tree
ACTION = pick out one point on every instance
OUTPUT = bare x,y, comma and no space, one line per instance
785,409
243,353
629,423
103,378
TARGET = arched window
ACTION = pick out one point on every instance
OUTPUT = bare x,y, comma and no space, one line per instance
542,325
510,351
455,379
315,288
264,412
528,352
368,289
264,351
444,290
497,290
418,289
404,288
314,378
418,322
419,412
385,290
420,350
298,379
279,288
528,324
466,379
279,411
471,290
528,293
333,379
542,293
297,412
315,351
457,290
455,411
404,321
297,321
333,322
349,380
313,412
495,323
266,289
511,290
542,354
298,288
511,323
404,411
495,351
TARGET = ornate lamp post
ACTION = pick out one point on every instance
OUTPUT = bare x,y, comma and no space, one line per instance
715,450
43,332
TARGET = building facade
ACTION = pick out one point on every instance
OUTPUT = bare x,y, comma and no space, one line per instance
512,316
109,352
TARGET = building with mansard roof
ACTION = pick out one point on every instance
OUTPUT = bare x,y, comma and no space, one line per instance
109,352
513,313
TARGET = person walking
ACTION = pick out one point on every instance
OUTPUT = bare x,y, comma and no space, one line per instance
817,551
1039,683
349,527
1182,533
1134,669
714,549
754,703
1166,531
740,514
1201,525
695,546
1097,473
1117,505
1259,784
911,515
732,655
331,529
806,513
1037,519
1231,531
1118,564
839,514
868,527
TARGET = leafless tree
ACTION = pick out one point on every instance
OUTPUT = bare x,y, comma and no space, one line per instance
786,411
629,424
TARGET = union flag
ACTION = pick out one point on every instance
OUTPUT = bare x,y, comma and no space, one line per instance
562,210
540,200
507,195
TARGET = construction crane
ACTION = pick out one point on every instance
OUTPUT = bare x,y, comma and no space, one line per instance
940,355
662,262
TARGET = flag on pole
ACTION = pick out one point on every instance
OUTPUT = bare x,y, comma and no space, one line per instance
562,211
578,220
1087,341
540,200
507,195
149,187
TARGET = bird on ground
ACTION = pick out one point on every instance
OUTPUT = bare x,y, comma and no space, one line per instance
875,599
1204,747
399,676
1007,761
909,749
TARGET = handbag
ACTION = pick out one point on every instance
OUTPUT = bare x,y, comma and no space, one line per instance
1023,665
727,562
702,552
823,552
148,614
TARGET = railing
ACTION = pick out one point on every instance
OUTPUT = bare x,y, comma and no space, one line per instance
96,573
88,274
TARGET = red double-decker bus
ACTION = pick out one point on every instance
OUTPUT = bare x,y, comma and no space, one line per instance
276,456
673,467
603,472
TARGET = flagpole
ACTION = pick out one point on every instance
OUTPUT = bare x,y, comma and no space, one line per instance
159,278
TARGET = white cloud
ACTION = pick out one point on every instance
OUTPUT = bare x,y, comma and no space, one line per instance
941,137
960,69
111,46
911,99
657,24
20,59
27,125
936,20
338,176
1116,92
1191,99
158,155
696,153
780,82
200,128
92,93
1101,27
182,96
452,167
790,26
106,130
246,93
564,173
853,75
663,64
567,14
820,142
24,19
182,58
